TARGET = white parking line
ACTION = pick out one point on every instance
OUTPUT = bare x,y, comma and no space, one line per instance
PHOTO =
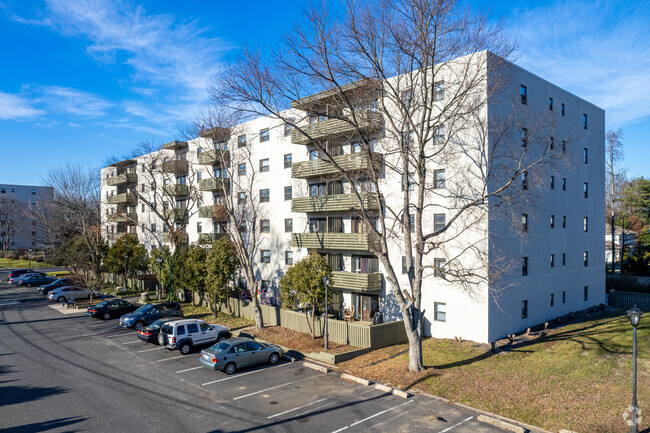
267,389
188,369
242,374
120,335
149,350
132,342
456,425
105,329
312,409
169,359
296,408
372,416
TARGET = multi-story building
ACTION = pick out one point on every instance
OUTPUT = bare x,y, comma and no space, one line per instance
306,205
19,227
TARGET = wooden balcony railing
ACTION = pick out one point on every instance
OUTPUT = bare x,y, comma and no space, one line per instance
357,282
323,167
366,121
122,179
333,203
214,157
175,166
175,190
125,197
333,241
214,184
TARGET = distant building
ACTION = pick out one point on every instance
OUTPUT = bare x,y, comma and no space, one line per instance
19,229
626,238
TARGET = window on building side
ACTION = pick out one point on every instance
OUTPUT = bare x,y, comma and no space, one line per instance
439,135
264,196
439,222
288,258
564,296
241,169
265,226
552,182
33,192
585,224
563,259
265,135
563,108
585,155
585,189
552,221
585,258
550,104
265,256
439,178
241,198
264,165
524,309
524,180
524,137
404,266
439,267
563,146
524,223
564,184
524,266
552,299
439,90
563,221
288,192
287,160
440,311
241,141
552,143
523,93
288,225
199,227
584,121
552,260
586,293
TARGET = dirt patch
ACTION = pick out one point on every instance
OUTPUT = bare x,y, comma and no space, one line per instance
297,340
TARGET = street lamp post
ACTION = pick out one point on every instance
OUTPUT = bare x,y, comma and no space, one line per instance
159,260
126,256
30,258
326,282
635,317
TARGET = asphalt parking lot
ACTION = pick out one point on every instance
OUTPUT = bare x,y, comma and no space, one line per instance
68,372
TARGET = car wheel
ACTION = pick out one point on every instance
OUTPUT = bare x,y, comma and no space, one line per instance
185,348
29,284
60,299
161,339
106,316
230,368
274,358
222,337
138,326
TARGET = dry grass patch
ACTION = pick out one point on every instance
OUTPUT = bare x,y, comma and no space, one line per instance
204,313
576,377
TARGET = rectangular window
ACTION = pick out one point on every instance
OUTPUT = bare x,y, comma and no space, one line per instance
265,226
33,192
412,222
524,180
439,135
524,137
586,293
439,222
552,260
585,224
563,221
439,178
404,268
265,256
550,104
153,227
241,141
524,223
288,258
439,90
264,165
563,259
552,182
288,192
524,266
585,189
563,146
552,221
584,121
524,309
287,160
265,135
564,184
439,267
585,258
407,97
199,227
552,299
440,311
287,129
241,198
241,169
288,225
564,296
552,143
335,261
563,108
524,96
264,196
585,155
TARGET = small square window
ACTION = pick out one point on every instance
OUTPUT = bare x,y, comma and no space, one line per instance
439,90
439,178
287,160
288,225
241,169
585,224
550,104
585,155
265,256
439,135
199,227
265,226
241,198
524,223
584,121
440,311
33,192
241,141
288,258
288,192
265,135
524,309
585,189
552,221
264,165
264,196
524,95
552,260
585,258
524,266
404,268
439,267
439,222
287,129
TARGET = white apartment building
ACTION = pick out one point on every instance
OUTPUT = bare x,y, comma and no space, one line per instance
557,245
19,229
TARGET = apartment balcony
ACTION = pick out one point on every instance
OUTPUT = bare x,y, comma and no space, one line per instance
122,179
208,238
357,282
175,190
214,157
175,214
175,166
125,197
184,237
175,145
213,184
366,121
216,212
364,89
333,241
122,217
333,203
323,167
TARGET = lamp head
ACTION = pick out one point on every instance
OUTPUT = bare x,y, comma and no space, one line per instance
635,316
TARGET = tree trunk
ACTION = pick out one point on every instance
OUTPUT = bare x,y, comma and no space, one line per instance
413,327
313,322
214,305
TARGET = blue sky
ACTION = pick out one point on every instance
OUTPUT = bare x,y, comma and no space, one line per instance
84,80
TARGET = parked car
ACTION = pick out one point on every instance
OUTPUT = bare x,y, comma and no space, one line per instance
234,353
149,313
64,293
184,334
150,333
18,272
55,284
30,280
109,309
13,279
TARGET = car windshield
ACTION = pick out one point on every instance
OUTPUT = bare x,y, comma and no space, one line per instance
155,325
143,309
102,304
59,281
220,347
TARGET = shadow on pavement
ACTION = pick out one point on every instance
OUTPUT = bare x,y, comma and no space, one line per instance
20,394
43,426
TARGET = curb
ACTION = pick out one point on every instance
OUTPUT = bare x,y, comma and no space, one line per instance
364,382
501,424
316,367
394,391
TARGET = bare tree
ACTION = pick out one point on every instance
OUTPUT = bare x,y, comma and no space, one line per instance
12,216
616,179
409,81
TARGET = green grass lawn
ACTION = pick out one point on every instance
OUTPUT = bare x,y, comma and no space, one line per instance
204,313
577,377
15,264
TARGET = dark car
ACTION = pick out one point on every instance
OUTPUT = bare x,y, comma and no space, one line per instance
109,309
15,275
30,280
229,355
55,285
150,333
149,313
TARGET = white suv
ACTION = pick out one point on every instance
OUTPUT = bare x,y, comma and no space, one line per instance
183,334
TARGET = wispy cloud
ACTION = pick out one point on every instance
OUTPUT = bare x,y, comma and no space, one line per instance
16,107
598,51
72,101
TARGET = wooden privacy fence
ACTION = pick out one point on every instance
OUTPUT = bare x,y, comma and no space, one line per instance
627,300
350,333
